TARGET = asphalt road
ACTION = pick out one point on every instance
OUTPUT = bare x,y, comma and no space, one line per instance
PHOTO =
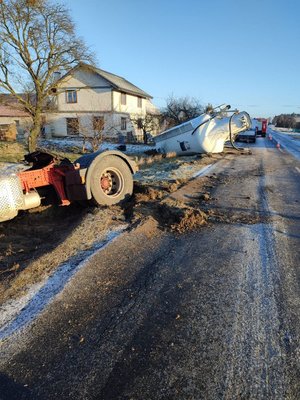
209,314
287,141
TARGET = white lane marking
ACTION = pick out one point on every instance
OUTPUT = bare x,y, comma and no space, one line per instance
297,169
203,171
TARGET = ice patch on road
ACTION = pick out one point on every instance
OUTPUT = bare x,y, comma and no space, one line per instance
17,313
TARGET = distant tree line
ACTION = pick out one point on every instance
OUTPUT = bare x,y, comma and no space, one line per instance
287,121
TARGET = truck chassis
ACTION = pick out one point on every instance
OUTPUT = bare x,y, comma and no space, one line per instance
104,177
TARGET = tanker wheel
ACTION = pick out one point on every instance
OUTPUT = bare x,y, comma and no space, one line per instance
111,181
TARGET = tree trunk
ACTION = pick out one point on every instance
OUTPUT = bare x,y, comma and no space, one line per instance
35,131
145,137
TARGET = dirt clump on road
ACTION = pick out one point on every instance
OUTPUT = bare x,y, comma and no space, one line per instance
149,194
170,214
179,217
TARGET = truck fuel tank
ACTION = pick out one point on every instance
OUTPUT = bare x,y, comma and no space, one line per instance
12,198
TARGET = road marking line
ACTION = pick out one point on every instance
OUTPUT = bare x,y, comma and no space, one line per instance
203,171
297,169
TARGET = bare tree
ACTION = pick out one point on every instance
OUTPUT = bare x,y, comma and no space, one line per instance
208,108
37,39
148,123
181,109
91,129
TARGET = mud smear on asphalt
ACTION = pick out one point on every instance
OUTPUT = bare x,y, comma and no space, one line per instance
170,214
237,218
245,214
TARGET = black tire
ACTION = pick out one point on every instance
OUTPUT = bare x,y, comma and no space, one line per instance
111,181
254,140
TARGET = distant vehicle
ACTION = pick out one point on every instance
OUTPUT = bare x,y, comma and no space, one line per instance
260,125
248,136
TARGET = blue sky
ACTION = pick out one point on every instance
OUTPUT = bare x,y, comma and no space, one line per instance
244,53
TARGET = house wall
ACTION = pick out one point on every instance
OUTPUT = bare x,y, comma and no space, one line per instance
56,125
93,93
130,107
95,97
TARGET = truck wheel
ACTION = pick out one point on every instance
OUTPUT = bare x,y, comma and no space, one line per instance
111,181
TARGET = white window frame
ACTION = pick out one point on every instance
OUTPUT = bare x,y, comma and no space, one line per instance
71,96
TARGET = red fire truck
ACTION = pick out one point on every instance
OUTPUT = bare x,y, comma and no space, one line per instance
260,126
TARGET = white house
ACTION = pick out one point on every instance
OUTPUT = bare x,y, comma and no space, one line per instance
87,98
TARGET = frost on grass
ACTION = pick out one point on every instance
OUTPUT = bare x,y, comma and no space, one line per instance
17,313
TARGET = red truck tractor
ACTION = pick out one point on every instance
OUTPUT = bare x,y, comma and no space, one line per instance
103,177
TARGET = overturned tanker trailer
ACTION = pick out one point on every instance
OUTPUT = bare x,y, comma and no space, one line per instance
204,134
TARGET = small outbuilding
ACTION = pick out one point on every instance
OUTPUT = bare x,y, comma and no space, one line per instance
13,122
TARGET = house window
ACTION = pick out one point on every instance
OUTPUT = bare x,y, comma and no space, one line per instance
72,126
123,124
123,99
139,102
71,96
98,123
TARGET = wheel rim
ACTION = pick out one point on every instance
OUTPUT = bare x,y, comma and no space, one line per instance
111,182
